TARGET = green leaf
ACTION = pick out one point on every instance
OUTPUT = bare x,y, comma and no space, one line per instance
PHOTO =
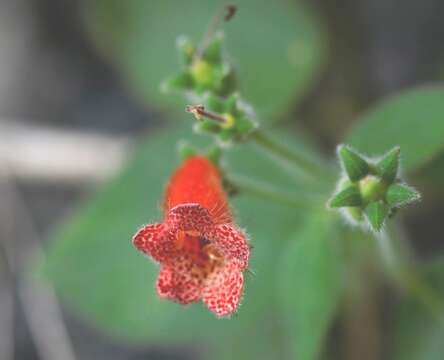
354,164
350,196
139,37
418,335
388,166
376,213
310,285
401,194
96,270
412,120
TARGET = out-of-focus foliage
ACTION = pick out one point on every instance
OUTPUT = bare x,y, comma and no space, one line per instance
275,46
311,284
414,120
417,334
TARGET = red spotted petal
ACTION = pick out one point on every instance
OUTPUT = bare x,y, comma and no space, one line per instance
223,289
190,217
154,240
232,243
181,281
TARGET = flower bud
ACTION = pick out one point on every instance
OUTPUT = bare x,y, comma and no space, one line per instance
369,190
204,70
229,119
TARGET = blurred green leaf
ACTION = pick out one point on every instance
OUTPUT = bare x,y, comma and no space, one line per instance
418,334
276,63
431,179
96,270
310,285
413,119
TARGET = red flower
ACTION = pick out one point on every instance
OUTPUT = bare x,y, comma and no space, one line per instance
202,254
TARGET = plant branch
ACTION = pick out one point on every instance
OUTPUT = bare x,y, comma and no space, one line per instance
270,192
407,276
291,158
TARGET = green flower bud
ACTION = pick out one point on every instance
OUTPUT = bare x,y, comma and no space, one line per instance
202,73
228,118
371,187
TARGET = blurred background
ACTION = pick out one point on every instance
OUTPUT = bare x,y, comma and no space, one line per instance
79,91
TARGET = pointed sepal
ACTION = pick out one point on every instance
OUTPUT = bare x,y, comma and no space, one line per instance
348,197
178,82
186,150
215,154
387,167
354,164
401,194
376,213
215,103
213,51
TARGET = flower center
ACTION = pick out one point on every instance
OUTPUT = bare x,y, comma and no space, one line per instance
200,249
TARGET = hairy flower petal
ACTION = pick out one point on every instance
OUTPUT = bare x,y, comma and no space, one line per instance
154,240
180,281
232,243
190,217
223,289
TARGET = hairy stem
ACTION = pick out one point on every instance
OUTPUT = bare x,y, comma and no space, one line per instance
270,192
292,159
408,277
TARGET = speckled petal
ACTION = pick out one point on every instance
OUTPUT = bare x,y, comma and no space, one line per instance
181,281
155,240
232,242
190,217
223,289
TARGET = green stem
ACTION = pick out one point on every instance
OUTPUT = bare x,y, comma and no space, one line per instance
293,160
409,279
269,192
